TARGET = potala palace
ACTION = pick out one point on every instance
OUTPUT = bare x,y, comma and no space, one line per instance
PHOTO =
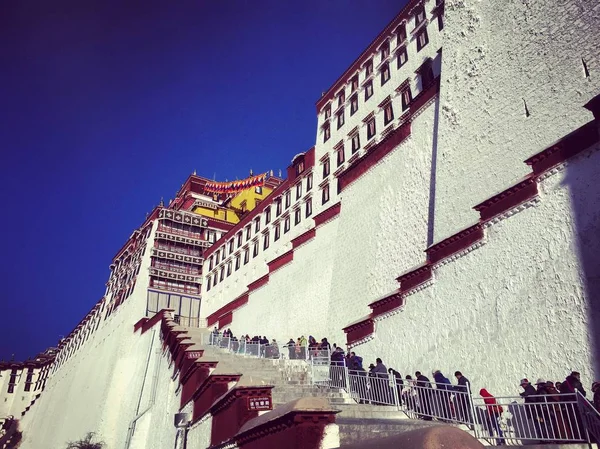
447,218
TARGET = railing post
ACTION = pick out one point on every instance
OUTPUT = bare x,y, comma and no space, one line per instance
347,379
395,386
473,411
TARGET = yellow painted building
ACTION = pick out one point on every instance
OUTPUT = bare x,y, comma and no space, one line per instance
233,209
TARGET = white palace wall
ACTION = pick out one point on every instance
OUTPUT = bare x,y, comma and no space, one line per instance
512,308
497,56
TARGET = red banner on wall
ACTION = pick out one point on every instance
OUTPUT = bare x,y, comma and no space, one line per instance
235,186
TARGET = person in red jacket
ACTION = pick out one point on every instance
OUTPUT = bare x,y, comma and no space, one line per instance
493,413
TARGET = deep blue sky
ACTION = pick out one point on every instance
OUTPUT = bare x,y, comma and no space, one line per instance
105,106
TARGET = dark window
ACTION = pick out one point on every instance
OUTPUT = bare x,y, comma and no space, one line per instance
355,143
255,251
308,207
326,168
231,243
256,225
278,207
369,68
297,216
340,119
268,215
229,269
368,90
286,225
388,113
265,241
309,182
402,57
385,50
328,111
401,33
248,232
406,98
426,74
298,190
325,194
277,232
210,264
354,83
246,256
28,379
420,15
326,132
341,157
299,167
422,39
217,258
440,21
288,199
385,73
237,263
371,129
215,279
239,239
341,98
222,276
258,189
353,104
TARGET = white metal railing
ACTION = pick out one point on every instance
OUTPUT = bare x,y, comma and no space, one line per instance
561,418
270,351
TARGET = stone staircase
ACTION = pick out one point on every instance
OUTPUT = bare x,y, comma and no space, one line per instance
291,381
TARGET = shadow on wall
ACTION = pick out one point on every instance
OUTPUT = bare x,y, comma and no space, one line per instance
582,181
432,176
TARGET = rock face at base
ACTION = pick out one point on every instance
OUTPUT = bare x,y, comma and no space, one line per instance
436,437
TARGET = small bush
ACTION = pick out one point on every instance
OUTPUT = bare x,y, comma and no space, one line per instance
86,443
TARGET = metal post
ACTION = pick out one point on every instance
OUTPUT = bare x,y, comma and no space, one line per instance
473,412
396,395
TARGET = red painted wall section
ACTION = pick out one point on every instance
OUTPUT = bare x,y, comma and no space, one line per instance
212,389
194,379
280,261
235,409
258,283
414,278
188,362
229,307
225,320
155,319
328,214
374,155
303,238
297,430
454,244
359,330
509,198
386,304
566,148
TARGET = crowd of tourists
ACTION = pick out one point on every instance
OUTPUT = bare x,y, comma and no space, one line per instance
550,404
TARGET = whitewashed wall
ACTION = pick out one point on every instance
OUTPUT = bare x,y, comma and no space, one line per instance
496,56
513,308
14,403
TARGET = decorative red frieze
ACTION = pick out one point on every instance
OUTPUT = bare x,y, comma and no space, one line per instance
509,198
454,244
258,283
213,318
414,278
567,147
280,261
190,357
328,214
378,152
386,304
225,320
236,408
211,389
194,378
359,330
303,238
